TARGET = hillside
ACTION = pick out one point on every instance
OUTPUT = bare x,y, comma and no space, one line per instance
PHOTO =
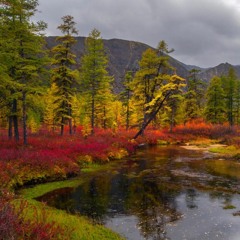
125,55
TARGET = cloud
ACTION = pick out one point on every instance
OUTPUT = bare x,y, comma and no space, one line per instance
203,33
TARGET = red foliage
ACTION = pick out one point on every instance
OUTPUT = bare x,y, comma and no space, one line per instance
14,225
203,129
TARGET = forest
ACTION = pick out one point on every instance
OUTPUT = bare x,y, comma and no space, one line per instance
58,116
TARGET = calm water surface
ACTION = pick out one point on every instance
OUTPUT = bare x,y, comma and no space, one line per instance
160,193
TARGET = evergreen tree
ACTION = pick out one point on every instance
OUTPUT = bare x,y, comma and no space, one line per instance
95,78
173,104
63,75
191,108
22,54
237,103
198,86
194,97
229,84
126,95
215,106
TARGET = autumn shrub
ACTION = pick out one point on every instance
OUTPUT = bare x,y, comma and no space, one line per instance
15,223
203,129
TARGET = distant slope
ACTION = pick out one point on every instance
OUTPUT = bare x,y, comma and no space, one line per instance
124,55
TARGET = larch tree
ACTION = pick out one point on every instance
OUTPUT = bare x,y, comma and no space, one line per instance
51,104
126,96
63,75
191,108
215,105
153,84
237,103
22,53
194,83
229,84
94,76
194,96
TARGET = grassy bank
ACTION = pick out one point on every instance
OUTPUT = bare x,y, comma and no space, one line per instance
72,226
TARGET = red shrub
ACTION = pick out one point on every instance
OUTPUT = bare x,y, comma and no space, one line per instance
14,225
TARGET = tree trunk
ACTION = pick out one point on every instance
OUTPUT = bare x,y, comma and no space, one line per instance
62,126
15,120
104,118
92,115
151,117
10,126
70,121
24,109
172,120
127,114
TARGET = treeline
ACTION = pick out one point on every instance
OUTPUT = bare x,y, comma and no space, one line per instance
40,87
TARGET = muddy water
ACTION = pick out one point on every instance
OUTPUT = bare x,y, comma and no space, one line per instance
161,193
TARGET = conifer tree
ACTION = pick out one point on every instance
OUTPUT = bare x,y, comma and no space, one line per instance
194,97
63,75
126,95
22,53
229,84
197,85
50,100
153,84
94,75
215,106
191,108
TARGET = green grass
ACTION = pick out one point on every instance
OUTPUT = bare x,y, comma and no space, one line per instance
229,150
77,227
41,189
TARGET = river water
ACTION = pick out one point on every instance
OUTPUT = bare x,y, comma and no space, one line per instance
160,193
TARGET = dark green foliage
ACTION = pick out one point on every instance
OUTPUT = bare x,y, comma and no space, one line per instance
63,75
94,76
215,106
22,56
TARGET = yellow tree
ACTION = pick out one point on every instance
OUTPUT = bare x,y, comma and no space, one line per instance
153,84
51,105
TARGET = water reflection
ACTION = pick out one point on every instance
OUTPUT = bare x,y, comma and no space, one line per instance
154,195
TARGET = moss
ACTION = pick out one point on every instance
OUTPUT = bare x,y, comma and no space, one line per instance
41,189
229,150
162,142
229,206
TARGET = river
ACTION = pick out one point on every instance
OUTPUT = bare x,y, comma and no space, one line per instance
162,193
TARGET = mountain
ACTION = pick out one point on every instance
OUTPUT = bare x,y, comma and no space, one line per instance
124,55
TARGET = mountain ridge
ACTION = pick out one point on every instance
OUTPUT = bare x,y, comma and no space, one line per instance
124,55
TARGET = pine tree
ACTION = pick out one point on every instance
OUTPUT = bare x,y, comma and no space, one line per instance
191,107
63,75
215,106
94,75
237,103
198,86
229,84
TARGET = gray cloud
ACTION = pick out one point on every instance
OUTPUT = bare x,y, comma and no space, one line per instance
204,33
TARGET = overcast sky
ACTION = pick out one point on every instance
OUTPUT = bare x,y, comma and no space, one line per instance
202,32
